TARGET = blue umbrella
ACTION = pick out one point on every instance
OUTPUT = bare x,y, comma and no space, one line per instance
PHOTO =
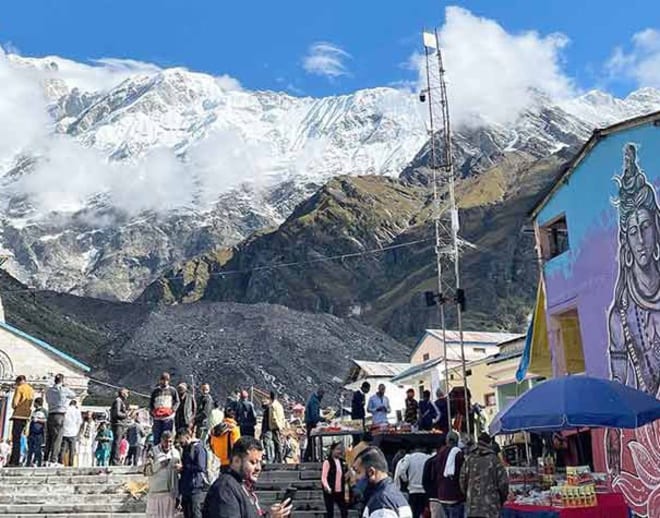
573,402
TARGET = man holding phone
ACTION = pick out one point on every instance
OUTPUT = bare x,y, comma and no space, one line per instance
233,495
379,406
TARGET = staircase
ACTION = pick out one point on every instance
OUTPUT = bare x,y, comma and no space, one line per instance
76,492
104,492
276,478
306,478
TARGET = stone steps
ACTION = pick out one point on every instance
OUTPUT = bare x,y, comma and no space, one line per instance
35,487
101,492
71,498
71,509
84,515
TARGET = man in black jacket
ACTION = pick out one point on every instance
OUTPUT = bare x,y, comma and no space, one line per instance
192,484
119,422
246,415
185,414
205,405
357,408
232,494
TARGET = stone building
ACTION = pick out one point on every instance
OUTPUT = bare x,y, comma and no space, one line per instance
39,361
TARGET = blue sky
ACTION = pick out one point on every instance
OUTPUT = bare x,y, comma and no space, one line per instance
264,43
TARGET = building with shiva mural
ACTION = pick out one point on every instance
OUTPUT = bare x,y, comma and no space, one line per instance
598,309
39,361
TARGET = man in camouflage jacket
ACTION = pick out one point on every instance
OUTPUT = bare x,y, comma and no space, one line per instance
484,481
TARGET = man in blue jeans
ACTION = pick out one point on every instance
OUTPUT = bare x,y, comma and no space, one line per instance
163,406
36,433
442,482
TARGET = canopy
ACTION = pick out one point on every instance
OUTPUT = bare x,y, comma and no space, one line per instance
577,401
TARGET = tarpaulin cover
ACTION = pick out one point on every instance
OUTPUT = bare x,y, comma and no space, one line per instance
573,402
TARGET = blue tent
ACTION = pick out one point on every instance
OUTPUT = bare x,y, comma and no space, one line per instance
572,402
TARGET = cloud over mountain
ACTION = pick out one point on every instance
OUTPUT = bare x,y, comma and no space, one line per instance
493,75
326,59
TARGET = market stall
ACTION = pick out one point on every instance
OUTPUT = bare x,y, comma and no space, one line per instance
610,505
570,403
336,431
390,438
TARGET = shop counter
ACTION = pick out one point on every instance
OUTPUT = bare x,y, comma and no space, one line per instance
610,505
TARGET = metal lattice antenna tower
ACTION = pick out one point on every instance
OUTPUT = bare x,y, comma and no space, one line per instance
431,41
436,217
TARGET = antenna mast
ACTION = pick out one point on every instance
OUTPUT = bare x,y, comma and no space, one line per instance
431,41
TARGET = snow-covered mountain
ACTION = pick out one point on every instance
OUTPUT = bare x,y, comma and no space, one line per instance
137,169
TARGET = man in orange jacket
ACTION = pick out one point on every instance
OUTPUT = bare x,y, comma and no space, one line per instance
223,437
22,405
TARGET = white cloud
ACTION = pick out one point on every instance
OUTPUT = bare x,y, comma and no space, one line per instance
642,63
23,118
66,174
326,59
492,74
228,83
224,161
101,75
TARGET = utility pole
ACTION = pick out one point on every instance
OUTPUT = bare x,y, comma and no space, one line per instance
431,41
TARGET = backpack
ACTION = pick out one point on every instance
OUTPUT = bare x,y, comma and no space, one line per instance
36,428
246,415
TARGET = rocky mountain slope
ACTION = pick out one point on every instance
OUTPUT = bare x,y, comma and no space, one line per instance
265,345
226,344
298,265
140,170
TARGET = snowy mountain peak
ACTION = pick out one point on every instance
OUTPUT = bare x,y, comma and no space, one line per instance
124,168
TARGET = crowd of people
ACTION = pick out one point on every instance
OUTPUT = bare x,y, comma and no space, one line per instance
182,442
456,481
206,460
56,432
460,479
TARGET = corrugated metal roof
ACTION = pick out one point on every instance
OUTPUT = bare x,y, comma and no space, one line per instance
381,369
474,337
421,368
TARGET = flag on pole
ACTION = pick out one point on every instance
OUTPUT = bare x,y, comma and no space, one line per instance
521,372
536,356
430,40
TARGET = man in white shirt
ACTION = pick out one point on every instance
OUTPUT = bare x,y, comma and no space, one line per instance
379,406
410,470
71,429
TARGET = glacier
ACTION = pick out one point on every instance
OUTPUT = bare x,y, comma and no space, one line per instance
135,170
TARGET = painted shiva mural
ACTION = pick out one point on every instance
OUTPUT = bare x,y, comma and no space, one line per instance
633,458
634,318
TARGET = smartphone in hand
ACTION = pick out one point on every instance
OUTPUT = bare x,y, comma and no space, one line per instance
290,494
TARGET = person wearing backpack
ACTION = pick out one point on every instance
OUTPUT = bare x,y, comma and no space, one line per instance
36,433
193,482
223,437
246,416
163,406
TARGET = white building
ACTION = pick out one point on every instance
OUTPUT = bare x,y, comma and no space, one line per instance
38,361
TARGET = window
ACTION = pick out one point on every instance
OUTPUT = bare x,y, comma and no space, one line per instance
554,238
425,358
490,400
480,350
